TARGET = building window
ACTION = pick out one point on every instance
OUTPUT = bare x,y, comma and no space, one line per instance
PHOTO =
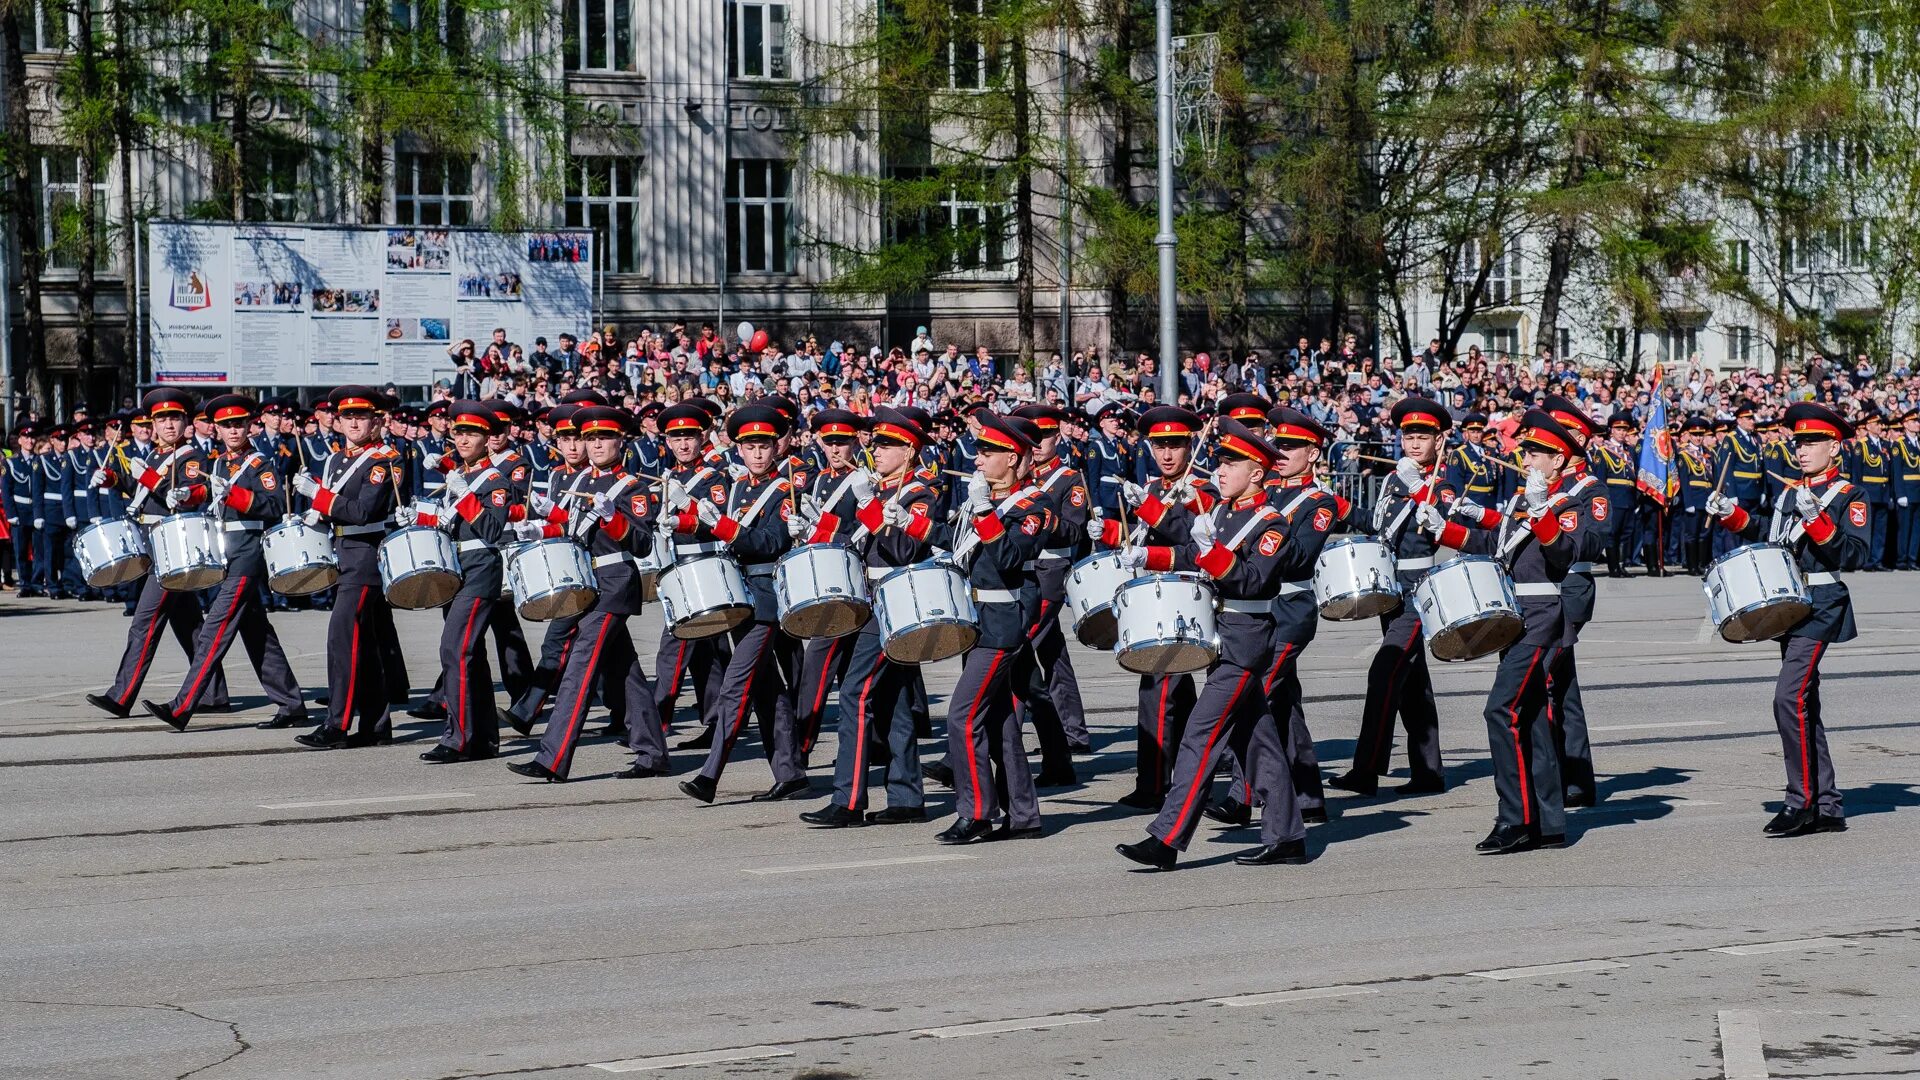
603,194
599,35
757,40
1678,344
56,183
1617,344
1739,257
972,63
982,232
1503,342
760,217
1563,344
46,26
432,189
274,185
1740,344
1503,273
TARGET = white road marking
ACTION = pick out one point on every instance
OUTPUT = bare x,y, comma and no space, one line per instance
1742,1055
1765,947
368,799
995,1027
901,861
704,1057
1573,968
1310,994
1661,724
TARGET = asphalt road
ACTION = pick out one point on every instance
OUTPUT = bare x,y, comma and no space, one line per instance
216,904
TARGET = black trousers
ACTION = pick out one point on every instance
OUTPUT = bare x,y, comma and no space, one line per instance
181,612
752,683
238,613
875,697
823,666
1165,703
1568,716
1803,735
1056,680
705,660
1526,768
602,646
555,645
357,661
1230,713
473,727
983,731
1398,681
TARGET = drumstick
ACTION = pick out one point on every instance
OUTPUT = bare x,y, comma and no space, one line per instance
1722,482
1784,480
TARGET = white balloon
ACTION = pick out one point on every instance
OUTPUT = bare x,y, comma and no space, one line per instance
744,332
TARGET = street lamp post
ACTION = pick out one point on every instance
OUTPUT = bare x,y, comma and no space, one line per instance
1164,239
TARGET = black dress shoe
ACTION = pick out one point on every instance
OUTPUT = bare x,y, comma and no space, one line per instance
1314,815
1008,832
635,772
537,771
428,711
1552,840
1357,782
443,755
833,816
299,719
1801,822
1056,778
938,772
702,741
1780,822
519,724
1425,786
109,706
1832,823
1150,853
323,738
785,789
966,831
164,712
1230,812
1579,796
1141,800
1507,839
699,787
1291,853
897,815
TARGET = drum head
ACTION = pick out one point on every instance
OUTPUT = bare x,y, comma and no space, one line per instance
423,589
709,623
560,604
1358,605
649,588
305,581
121,572
1099,630
1168,658
931,642
829,618
193,579
1761,622
1477,637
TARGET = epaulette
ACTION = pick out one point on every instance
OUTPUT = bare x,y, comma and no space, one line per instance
385,453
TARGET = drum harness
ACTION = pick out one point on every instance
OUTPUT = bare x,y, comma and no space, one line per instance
140,499
753,513
1047,489
664,538
486,474
1788,535
875,573
352,469
613,492
963,551
218,512
1512,539
1261,516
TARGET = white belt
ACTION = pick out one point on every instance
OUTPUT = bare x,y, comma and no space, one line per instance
1536,588
600,561
1248,607
1295,588
358,530
995,596
149,519
1580,568
242,526
759,570
1822,577
698,549
51,498
472,545
875,573
1424,563
23,498
1057,553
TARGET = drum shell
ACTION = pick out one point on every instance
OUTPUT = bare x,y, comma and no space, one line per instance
111,552
821,590
925,613
703,597
1165,624
1756,593
1467,609
1355,578
188,553
1092,584
552,579
419,568
300,558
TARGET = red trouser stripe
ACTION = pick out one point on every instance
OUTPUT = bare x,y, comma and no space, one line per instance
746,696
461,720
826,673
192,691
572,730
1519,756
1383,752
1800,714
973,709
1200,767
353,664
860,739
146,645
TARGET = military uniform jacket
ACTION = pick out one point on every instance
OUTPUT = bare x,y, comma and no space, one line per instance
704,480
86,502
479,519
255,500
1833,543
618,539
54,484
1246,567
18,488
184,466
1537,550
1578,592
839,510
1396,524
1108,467
356,498
1307,515
1471,475
1166,514
1068,491
514,469
1739,456
1611,467
1903,455
1871,472
884,546
1696,479
1001,568
753,528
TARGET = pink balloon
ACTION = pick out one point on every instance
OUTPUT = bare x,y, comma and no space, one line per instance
759,342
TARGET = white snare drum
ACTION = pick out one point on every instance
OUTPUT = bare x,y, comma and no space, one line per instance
1354,579
1467,609
187,553
822,591
1755,593
300,558
925,612
111,552
508,553
1091,586
1164,624
552,579
419,568
703,597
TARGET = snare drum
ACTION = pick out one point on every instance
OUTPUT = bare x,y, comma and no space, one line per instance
1091,586
300,558
508,553
1755,593
925,613
1467,609
187,553
1164,624
1354,579
419,568
703,597
822,591
111,552
552,579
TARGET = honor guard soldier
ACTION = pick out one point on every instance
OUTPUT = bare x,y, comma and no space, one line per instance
615,521
1696,483
836,492
1470,473
1004,521
752,524
1904,454
895,528
53,513
1618,475
1397,680
20,507
1239,545
244,496
1739,472
1872,472
1824,521
1538,536
1053,700
354,494
704,659
161,486
1109,464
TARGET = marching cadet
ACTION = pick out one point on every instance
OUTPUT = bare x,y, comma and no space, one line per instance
827,516
1004,522
1696,483
430,464
1539,535
245,496
21,508
1109,465
1739,472
1469,472
616,524
895,527
473,513
1872,472
1776,458
1397,680
753,526
353,494
1163,510
1904,456
1567,711
1239,544
705,659
1618,473
160,486
1824,521
565,484
1053,696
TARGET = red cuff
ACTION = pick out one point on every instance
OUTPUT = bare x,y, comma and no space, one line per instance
616,526
196,495
1822,528
829,524
149,479
920,526
989,526
557,516
239,498
552,532
688,521
112,478
323,500
726,529
1151,511
427,519
517,512
1489,518
1217,560
1159,559
1110,533
468,507
1453,535
1546,528
1203,502
871,514
1736,521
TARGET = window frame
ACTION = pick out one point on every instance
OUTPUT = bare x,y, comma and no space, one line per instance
617,21
619,253
45,193
739,210
775,51
262,168
409,164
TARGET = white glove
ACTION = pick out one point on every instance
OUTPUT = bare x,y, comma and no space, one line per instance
404,516
1096,526
708,513
1133,493
1536,490
176,498
457,484
539,505
896,515
217,487
810,507
582,525
1410,473
1901,502
1720,505
978,490
862,485
1201,532
799,525
314,519
1467,508
736,471
1133,558
71,522
528,530
1806,503
447,521
98,479
305,484
677,496
1430,519
602,504
39,523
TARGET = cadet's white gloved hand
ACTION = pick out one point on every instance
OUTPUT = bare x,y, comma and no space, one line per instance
404,516
314,519
1536,490
979,495
1133,558
71,522
305,484
1410,473
1201,532
1720,504
218,486
457,484
539,505
810,507
99,479
39,523
528,530
799,525
602,504
176,498
1133,493
1806,503
709,514
1467,508
1901,502
896,515
1096,526
1430,519
862,485
736,470
677,496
